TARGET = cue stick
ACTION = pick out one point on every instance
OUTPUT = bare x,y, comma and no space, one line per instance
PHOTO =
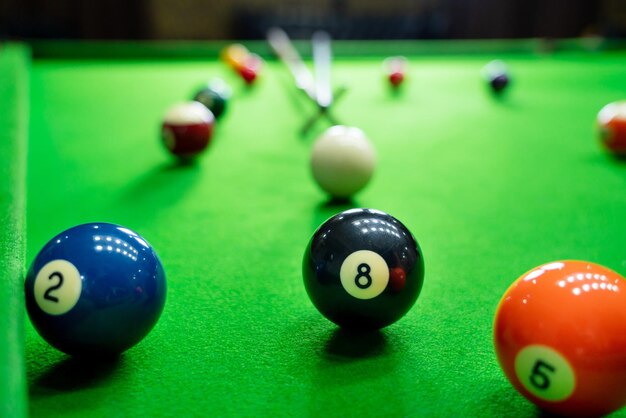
325,112
282,46
322,60
322,57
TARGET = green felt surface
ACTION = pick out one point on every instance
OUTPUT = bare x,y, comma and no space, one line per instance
490,188
14,67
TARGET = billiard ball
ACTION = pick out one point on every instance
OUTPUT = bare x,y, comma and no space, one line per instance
499,82
560,337
243,62
187,129
611,123
363,269
248,74
396,78
497,76
250,69
212,99
395,69
234,55
95,289
215,97
342,161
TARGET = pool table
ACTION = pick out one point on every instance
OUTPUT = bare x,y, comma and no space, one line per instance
489,186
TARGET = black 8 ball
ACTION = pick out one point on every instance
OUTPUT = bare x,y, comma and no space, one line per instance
363,269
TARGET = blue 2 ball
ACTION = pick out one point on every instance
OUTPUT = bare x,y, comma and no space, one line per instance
95,289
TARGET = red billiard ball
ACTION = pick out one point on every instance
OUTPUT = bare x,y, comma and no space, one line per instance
187,129
396,78
395,69
248,74
611,122
250,68
560,337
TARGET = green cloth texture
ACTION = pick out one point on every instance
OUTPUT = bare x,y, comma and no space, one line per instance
14,73
490,187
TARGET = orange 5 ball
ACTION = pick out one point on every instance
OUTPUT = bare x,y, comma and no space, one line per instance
560,337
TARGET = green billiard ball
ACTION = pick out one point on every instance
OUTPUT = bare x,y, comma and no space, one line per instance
215,97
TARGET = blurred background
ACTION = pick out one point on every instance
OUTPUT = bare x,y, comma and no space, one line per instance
344,19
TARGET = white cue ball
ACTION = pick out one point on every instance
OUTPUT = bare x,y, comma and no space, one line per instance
342,161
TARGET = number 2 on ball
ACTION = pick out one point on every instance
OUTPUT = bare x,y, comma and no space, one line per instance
48,295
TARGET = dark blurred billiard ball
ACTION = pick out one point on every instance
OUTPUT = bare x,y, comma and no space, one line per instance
560,337
215,97
363,269
95,289
611,123
499,82
187,129
497,76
